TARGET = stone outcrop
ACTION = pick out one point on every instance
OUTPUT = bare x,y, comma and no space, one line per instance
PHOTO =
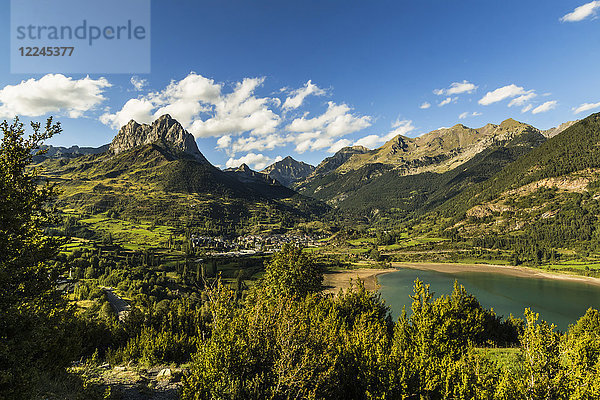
165,130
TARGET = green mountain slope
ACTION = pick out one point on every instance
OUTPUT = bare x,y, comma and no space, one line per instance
169,182
381,187
574,149
545,201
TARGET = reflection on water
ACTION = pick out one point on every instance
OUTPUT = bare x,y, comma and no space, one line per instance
558,301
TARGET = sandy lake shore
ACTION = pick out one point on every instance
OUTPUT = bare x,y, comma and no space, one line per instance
524,272
334,281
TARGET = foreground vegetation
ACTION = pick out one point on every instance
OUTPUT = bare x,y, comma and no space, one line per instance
299,344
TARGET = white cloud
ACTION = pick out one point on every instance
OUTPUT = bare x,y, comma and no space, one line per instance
521,100
52,93
318,132
184,100
447,100
276,102
255,161
585,107
370,141
140,110
582,12
138,83
224,142
467,114
502,93
526,108
194,97
336,121
241,120
239,112
399,127
457,88
306,142
425,106
253,143
297,96
547,106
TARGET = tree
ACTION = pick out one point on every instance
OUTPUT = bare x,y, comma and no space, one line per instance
375,254
581,356
541,355
31,312
291,273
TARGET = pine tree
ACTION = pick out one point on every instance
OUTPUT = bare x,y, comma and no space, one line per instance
31,311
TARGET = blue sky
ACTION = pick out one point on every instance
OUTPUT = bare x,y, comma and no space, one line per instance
257,80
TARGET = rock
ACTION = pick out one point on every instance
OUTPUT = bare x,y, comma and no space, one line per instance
164,130
164,374
120,368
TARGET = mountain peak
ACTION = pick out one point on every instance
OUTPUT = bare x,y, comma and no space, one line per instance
288,171
166,117
510,123
164,129
243,168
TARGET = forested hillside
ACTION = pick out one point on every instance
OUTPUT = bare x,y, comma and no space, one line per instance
379,187
545,201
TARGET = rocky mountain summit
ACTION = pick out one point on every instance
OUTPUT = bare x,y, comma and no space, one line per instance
288,171
550,133
165,130
439,150
245,174
331,163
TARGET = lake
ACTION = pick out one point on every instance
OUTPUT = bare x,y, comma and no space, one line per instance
561,302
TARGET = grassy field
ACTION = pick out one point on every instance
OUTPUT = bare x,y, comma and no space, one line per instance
575,266
76,244
131,236
505,358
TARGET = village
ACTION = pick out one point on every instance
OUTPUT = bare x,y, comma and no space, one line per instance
253,244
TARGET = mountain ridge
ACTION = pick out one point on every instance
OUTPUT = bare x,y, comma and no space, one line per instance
439,150
408,173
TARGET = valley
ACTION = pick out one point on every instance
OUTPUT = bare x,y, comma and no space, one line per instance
290,200
148,221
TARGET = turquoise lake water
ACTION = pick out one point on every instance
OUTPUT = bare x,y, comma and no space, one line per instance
558,301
